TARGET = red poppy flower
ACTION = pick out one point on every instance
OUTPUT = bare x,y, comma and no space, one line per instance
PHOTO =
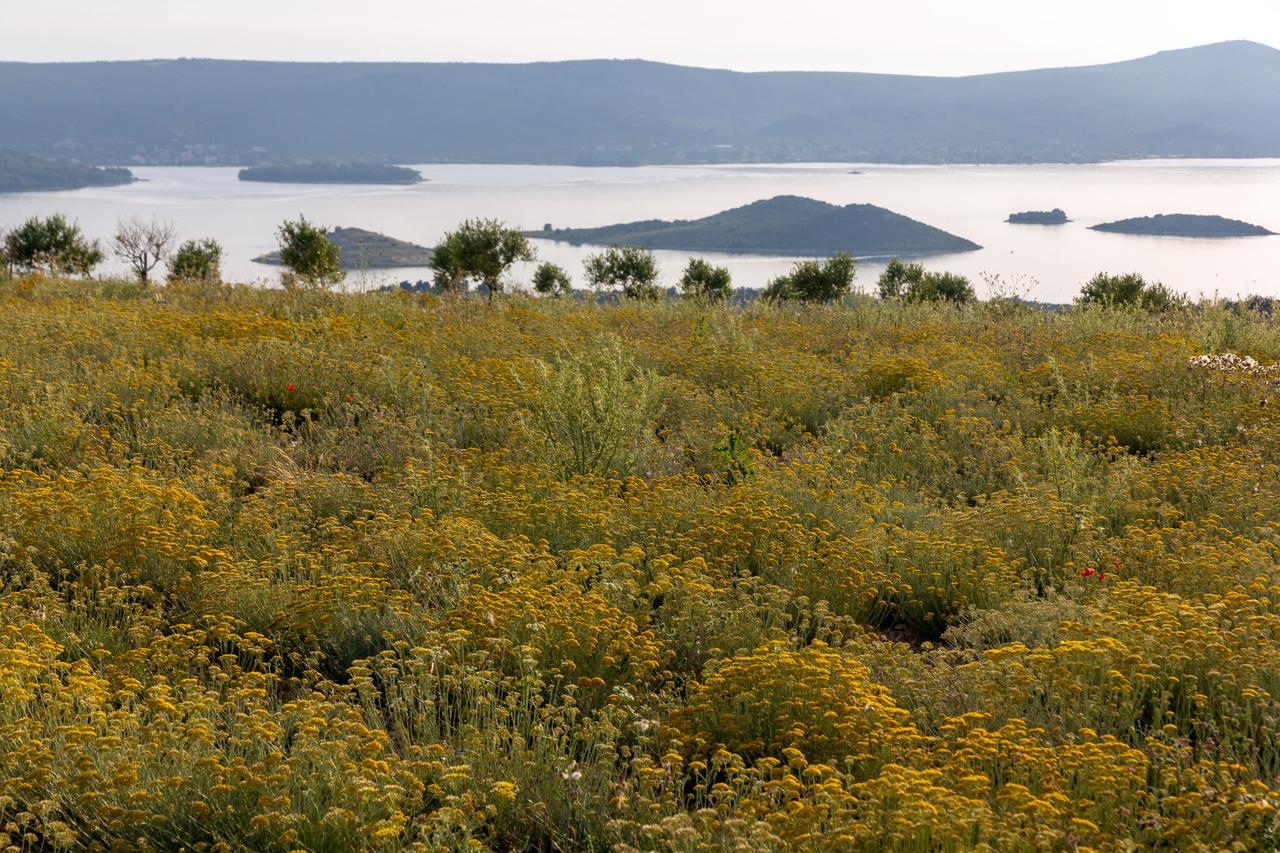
290,387
1088,573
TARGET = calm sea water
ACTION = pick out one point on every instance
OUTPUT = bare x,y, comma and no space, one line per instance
972,201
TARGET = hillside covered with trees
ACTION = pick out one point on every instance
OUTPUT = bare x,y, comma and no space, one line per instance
24,173
784,225
626,112
332,173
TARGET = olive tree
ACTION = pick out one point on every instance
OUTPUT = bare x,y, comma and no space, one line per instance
481,250
1128,290
143,245
551,280
912,283
814,281
52,244
631,268
197,261
705,282
308,253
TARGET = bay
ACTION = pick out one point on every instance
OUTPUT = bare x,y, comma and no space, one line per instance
1047,263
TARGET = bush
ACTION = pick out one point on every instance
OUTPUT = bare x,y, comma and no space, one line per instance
631,268
912,283
307,253
197,261
1128,290
551,280
483,250
814,281
701,281
590,412
52,244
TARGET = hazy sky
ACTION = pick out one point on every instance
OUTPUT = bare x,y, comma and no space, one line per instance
907,36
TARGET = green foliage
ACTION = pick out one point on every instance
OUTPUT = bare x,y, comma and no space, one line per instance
590,411
631,268
814,281
308,255
897,277
1128,290
25,173
52,244
197,261
912,283
479,249
704,282
942,287
552,280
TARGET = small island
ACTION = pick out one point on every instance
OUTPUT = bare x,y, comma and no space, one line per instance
363,249
23,173
784,225
1057,216
1184,225
332,173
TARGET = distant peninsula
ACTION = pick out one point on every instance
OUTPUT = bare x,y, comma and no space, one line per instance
332,173
1184,225
363,249
23,173
1057,216
784,225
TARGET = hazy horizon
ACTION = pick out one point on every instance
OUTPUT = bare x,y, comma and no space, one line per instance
913,37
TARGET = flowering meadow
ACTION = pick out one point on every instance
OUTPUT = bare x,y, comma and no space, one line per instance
306,571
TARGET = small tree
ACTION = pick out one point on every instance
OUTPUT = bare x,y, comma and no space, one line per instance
897,276
631,268
197,261
941,287
51,244
704,282
308,254
814,281
551,280
1131,289
912,283
479,249
143,245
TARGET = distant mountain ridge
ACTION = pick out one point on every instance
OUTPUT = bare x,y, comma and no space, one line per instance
1219,100
783,225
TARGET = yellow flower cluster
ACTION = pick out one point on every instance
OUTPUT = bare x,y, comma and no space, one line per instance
304,571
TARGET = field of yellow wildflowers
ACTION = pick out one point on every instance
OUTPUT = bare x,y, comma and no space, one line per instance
304,571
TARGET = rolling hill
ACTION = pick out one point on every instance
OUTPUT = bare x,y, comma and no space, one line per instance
1219,100
785,225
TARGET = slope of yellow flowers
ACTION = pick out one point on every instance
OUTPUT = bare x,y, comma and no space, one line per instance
305,571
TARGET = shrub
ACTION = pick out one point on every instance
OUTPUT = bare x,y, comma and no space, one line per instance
551,280
52,244
815,700
307,253
1128,290
631,268
813,281
483,250
912,283
590,412
702,281
197,261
